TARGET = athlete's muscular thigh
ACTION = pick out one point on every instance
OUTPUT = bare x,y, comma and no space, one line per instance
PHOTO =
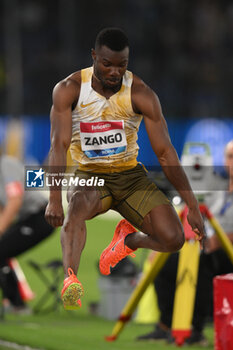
84,202
163,224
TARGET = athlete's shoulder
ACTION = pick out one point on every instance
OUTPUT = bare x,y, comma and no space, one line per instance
73,81
140,87
142,95
68,89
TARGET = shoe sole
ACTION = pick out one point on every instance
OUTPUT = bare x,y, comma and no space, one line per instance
71,295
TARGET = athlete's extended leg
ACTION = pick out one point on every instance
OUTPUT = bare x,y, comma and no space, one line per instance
83,205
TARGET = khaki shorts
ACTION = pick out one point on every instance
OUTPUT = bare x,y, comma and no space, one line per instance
131,193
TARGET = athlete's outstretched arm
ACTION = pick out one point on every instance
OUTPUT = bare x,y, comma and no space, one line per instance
145,101
64,95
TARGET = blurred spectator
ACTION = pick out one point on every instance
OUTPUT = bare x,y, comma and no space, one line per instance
22,223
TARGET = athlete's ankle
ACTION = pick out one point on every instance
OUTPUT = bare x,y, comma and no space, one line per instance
69,272
130,241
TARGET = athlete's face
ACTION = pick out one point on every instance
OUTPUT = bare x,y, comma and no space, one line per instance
110,66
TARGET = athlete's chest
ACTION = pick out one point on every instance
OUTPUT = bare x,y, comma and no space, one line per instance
92,106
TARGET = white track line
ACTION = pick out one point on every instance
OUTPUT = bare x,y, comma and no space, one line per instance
15,346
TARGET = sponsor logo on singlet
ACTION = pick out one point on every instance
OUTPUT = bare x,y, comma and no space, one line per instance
102,139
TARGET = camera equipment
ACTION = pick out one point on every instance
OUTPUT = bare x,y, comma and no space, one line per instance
198,165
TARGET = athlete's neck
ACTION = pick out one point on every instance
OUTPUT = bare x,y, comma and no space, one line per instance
103,90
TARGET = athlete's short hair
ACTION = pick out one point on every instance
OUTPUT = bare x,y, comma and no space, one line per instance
114,38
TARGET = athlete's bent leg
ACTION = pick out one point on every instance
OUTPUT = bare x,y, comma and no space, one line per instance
161,231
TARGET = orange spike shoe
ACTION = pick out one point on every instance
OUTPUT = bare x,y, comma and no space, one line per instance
71,292
116,250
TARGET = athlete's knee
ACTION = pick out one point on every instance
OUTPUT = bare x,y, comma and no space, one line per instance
77,198
175,240
83,205
78,204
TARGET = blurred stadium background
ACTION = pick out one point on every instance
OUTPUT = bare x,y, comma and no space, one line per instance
182,49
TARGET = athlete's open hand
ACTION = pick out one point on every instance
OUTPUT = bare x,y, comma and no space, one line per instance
54,214
196,222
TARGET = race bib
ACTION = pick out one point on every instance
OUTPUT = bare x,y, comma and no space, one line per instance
102,139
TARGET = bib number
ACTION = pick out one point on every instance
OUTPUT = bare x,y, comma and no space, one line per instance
102,139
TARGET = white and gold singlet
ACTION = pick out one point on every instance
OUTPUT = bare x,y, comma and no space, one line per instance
104,131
